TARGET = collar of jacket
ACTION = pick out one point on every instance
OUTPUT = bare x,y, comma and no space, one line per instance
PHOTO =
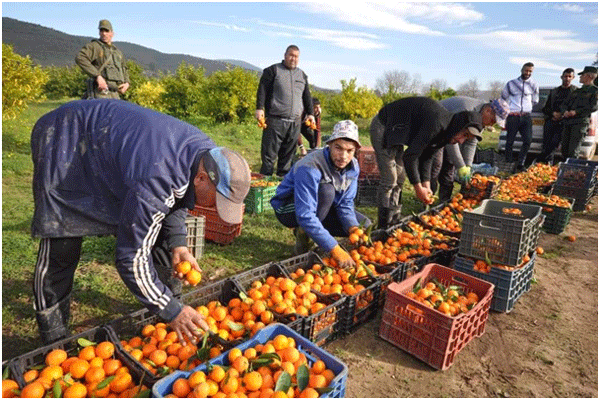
189,198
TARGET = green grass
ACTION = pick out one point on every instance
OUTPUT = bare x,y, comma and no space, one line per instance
99,295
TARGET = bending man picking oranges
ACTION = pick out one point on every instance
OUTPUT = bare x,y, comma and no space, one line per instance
316,197
108,167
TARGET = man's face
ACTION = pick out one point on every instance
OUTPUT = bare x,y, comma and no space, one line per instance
461,137
526,73
567,78
290,59
587,78
106,36
488,116
205,190
316,109
342,151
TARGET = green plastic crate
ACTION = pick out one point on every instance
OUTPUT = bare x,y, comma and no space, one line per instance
259,198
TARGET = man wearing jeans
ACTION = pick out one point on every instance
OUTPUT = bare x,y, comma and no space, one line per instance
521,94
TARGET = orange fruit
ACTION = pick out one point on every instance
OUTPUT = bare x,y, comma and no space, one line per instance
539,250
250,353
56,357
31,375
34,390
87,353
93,391
111,366
67,364
105,350
158,357
241,364
181,387
571,238
213,388
309,393
184,267
78,368
121,382
53,372
96,362
217,374
317,381
8,386
290,354
76,390
201,390
318,367
95,374
173,362
229,385
329,375
193,277
253,381
148,330
135,341
233,354
196,378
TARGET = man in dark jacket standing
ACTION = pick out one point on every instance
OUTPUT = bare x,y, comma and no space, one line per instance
107,167
104,63
553,124
282,95
577,112
405,135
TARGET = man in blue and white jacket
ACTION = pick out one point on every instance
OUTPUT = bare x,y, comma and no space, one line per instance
109,167
317,196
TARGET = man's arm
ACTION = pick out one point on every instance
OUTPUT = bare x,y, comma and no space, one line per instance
84,59
307,100
265,87
345,209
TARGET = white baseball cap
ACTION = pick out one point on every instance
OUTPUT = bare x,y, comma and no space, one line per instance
346,129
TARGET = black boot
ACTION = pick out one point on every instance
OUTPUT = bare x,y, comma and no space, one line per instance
384,216
53,322
396,215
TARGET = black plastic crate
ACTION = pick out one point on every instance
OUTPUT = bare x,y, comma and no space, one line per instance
582,196
131,325
433,211
587,163
503,166
505,239
23,363
486,156
509,286
366,194
324,325
470,191
577,175
557,218
362,306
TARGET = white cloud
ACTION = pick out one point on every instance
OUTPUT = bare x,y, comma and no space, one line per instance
221,25
575,8
345,39
538,63
538,42
273,33
383,16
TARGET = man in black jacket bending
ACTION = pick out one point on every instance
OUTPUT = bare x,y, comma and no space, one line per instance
405,135
282,95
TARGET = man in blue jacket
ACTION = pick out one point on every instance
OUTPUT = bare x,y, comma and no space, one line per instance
317,196
108,167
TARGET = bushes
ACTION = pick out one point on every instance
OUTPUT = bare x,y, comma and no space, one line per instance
22,82
230,96
149,94
354,102
65,82
184,91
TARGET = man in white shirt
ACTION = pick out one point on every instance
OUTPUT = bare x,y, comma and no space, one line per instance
521,94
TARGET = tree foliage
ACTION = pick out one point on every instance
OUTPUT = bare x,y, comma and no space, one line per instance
149,94
230,96
22,82
437,95
184,91
137,78
354,102
65,82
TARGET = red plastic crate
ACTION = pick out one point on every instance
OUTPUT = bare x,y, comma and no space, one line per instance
216,229
367,163
426,333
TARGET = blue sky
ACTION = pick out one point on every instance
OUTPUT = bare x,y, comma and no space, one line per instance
454,42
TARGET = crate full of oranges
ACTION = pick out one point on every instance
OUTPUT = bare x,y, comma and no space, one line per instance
435,313
88,364
276,362
262,190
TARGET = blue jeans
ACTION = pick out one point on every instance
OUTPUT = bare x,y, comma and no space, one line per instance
325,212
523,125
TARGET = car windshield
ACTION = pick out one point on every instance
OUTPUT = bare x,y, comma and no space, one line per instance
542,102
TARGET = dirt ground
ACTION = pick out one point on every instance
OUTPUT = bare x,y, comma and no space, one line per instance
547,346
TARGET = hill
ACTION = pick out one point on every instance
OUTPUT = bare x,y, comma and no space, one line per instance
47,46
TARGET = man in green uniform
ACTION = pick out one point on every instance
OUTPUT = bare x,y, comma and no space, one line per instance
104,63
577,110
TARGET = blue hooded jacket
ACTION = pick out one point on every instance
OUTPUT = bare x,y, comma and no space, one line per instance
109,167
302,182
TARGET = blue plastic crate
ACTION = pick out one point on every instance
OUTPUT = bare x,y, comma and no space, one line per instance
312,352
509,285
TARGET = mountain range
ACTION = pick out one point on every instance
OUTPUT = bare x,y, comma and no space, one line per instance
47,46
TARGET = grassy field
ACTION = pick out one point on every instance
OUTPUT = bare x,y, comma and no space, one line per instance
99,295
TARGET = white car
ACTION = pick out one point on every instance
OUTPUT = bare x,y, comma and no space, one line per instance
588,147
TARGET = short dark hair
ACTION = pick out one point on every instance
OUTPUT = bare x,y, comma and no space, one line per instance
292,47
528,64
315,101
568,71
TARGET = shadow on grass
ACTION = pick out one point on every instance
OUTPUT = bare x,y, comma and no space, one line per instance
13,145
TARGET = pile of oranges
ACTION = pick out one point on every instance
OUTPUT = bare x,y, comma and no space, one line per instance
485,266
551,200
518,188
93,372
450,301
257,372
262,123
460,203
325,280
445,219
479,187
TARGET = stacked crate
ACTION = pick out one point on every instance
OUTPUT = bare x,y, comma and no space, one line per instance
369,177
577,179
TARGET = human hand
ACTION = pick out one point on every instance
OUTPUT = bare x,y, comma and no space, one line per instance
123,87
180,254
342,258
186,324
102,85
556,116
259,114
464,174
424,194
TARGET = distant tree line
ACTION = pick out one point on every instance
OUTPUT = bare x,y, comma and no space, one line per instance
221,97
